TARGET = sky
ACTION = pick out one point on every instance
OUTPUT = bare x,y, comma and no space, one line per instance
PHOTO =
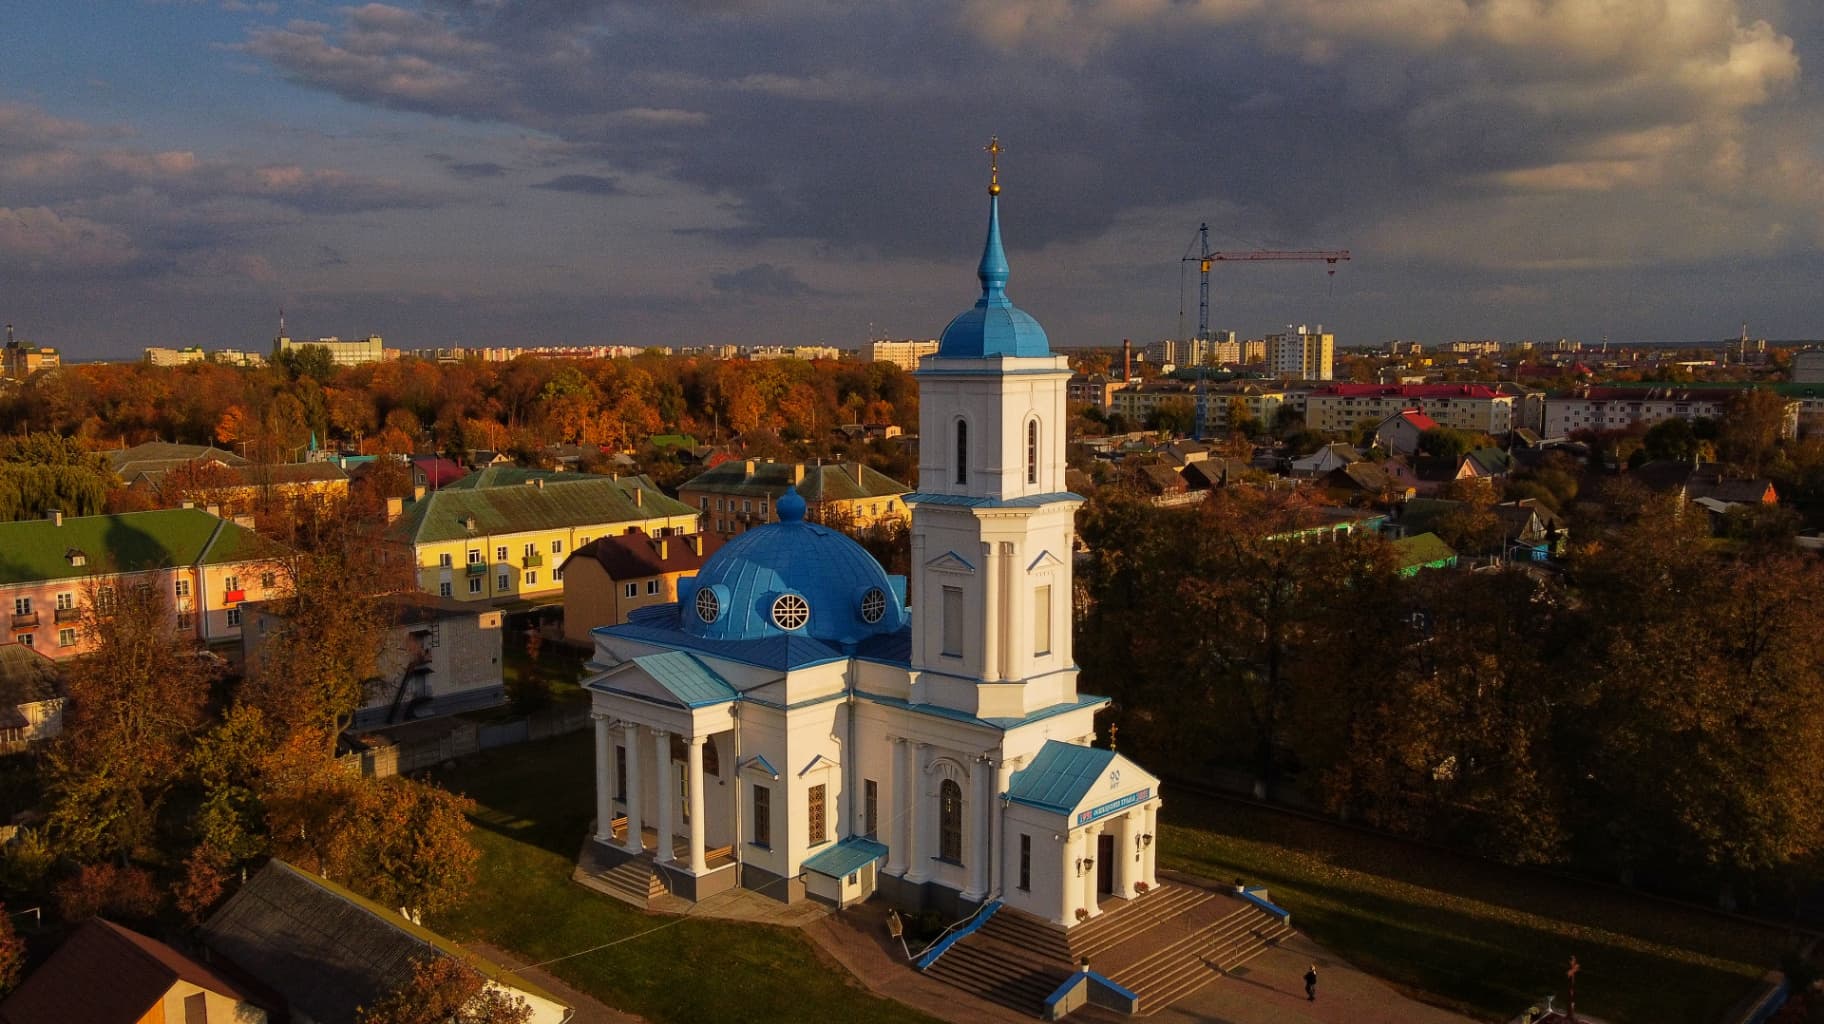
676,172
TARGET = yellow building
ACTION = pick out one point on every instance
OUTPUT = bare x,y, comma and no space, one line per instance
508,544
740,494
608,578
21,359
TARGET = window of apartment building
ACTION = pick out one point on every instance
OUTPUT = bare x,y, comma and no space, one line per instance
1025,862
631,590
28,640
530,549
475,584
500,553
270,580
234,617
950,822
703,503
445,589
66,637
718,504
652,586
231,583
22,606
502,583
181,588
444,560
185,620
66,601
557,575
531,577
870,806
474,556
1041,620
953,622
763,816
104,599
814,817
557,547
747,505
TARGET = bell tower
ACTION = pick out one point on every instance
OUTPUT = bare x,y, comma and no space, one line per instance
992,520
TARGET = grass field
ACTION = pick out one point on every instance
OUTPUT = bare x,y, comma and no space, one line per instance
536,803
1470,935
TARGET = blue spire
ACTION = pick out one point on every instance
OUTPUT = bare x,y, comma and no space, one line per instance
995,326
790,506
993,270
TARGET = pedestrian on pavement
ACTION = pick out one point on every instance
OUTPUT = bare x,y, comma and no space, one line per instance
1311,984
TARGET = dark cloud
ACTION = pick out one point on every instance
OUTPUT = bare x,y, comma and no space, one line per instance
469,170
762,280
582,184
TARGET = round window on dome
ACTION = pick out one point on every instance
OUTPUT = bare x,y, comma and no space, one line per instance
790,612
873,606
707,605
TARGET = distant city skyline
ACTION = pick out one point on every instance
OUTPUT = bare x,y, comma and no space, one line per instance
504,172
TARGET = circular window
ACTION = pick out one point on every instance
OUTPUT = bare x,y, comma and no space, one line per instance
790,612
707,605
873,606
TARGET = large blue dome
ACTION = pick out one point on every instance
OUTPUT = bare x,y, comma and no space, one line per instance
995,326
791,578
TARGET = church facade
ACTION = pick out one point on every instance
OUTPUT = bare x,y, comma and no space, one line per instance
802,724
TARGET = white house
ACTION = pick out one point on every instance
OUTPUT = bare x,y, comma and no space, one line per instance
793,726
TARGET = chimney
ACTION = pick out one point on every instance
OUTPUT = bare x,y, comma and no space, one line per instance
664,549
639,497
54,515
750,467
187,504
798,474
696,544
858,474
214,510
395,507
417,492
538,482
1127,359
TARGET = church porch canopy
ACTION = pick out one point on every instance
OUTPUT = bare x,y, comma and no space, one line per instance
1081,784
672,690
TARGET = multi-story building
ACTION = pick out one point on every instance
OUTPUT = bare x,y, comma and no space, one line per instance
608,578
805,352
158,356
58,568
352,352
237,357
1301,354
1138,400
21,359
1808,366
740,494
1603,408
1093,389
1480,408
903,354
508,544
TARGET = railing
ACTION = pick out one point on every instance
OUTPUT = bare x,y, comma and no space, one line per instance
68,615
956,933
478,568
25,620
532,561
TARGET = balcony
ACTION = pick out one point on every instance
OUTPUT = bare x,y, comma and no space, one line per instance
234,596
27,620
478,568
532,561
64,615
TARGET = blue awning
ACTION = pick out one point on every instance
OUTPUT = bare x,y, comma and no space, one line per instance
846,857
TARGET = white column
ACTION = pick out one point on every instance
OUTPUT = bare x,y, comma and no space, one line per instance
1070,880
1147,874
1128,853
980,810
1090,853
991,612
1008,868
899,811
698,863
918,811
604,780
1010,604
630,737
661,745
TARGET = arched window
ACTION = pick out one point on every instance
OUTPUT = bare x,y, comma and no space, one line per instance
1032,451
962,451
950,821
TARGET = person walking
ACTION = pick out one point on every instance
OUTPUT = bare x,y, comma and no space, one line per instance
1311,984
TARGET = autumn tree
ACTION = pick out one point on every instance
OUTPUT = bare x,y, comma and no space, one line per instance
443,990
136,700
1752,425
12,954
400,842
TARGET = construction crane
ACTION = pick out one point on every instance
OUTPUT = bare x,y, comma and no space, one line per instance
1205,256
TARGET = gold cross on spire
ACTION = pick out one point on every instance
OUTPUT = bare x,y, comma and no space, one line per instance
994,165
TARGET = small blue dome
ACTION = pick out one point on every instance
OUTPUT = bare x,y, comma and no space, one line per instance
995,327
791,578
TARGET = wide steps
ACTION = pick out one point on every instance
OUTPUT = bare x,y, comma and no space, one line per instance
1025,932
634,882
1104,933
1179,969
1001,973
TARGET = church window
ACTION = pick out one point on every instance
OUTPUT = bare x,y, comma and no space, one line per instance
950,821
962,451
1041,620
790,612
707,605
873,606
763,816
953,622
1032,451
870,814
1025,862
814,817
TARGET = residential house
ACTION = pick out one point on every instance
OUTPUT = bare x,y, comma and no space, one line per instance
439,657
741,494
1695,481
325,951
1484,464
239,489
1533,532
1324,460
1400,432
434,472
609,577
1369,480
106,974
1423,551
1210,474
506,545
31,697
55,567
153,459
1182,453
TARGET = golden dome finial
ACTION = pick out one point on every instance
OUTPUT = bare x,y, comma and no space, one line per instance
994,165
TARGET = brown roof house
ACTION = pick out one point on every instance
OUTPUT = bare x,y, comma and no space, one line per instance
106,974
607,578
31,697
325,951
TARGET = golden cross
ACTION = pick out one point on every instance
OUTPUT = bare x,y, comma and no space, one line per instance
994,165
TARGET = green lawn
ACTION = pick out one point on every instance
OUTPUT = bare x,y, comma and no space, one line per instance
536,803
1470,935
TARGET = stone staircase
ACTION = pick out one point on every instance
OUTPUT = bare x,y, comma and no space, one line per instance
1181,967
632,881
1015,960
1101,934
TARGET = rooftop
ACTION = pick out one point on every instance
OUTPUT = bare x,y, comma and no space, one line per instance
36,550
443,515
106,974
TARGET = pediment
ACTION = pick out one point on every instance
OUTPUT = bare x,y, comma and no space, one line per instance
950,561
1046,560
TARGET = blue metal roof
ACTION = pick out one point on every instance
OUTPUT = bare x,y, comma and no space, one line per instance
994,327
761,763
1059,777
850,855
784,652
687,679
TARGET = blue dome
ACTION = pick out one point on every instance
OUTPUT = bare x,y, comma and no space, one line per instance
995,327
791,578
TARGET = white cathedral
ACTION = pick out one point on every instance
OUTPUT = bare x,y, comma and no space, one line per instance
794,725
